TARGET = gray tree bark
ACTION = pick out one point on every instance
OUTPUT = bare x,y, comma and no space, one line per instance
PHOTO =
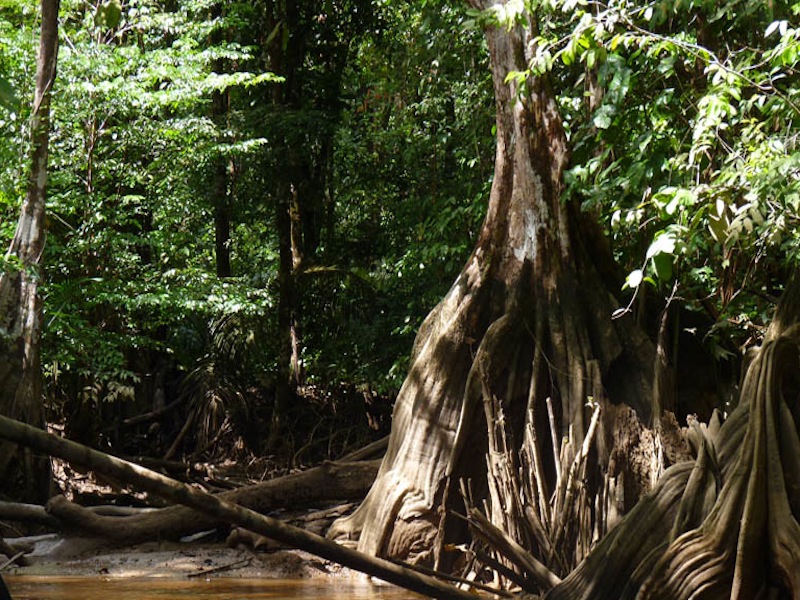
21,474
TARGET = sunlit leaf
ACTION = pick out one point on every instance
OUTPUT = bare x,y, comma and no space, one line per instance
634,278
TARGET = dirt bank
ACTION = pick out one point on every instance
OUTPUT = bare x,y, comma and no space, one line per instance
55,556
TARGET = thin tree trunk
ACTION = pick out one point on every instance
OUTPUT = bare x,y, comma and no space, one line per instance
21,474
220,194
284,389
285,59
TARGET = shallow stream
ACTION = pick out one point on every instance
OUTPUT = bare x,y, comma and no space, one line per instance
105,588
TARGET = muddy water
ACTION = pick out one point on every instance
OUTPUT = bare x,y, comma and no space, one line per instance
88,588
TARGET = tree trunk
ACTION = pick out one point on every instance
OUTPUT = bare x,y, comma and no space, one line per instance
285,59
305,138
222,165
527,321
21,474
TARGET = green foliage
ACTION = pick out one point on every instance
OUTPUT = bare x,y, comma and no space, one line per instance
129,239
8,97
384,119
687,148
681,117
412,170
17,66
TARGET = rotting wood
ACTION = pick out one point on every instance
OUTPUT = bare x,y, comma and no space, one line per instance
317,522
219,508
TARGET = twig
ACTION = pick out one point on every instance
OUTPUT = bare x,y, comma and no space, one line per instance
373,450
181,434
12,560
228,567
453,578
152,415
504,571
555,439
577,463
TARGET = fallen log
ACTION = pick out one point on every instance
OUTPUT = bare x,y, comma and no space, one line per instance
27,513
224,510
330,481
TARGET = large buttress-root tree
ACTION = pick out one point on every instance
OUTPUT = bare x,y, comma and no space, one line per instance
527,323
20,306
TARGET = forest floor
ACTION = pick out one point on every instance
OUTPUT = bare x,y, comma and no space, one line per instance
57,556
205,554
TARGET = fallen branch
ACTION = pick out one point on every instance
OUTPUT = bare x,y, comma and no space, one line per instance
373,450
458,580
18,558
173,449
228,567
510,549
152,415
13,554
219,508
329,481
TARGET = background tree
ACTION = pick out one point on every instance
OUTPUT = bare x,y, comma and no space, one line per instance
20,304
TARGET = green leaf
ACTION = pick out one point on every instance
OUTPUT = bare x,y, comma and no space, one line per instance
603,116
718,227
8,96
662,263
108,14
663,244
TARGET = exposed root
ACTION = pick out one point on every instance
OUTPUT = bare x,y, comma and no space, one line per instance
730,518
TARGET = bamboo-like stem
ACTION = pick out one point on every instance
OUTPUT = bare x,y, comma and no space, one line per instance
577,464
555,438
